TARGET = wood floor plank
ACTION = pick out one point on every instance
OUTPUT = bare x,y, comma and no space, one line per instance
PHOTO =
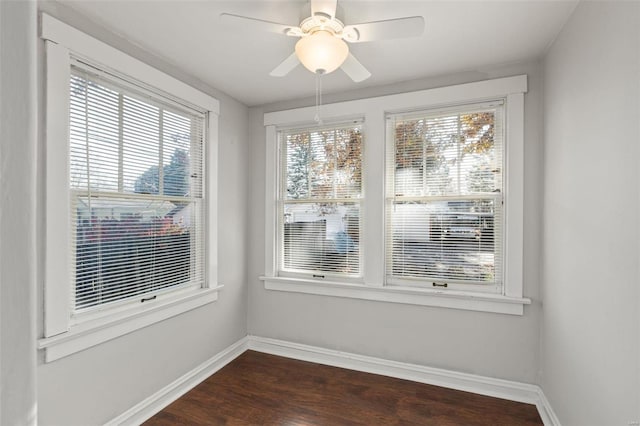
262,389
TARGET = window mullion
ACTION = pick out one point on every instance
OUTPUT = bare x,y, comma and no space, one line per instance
335,164
459,153
161,151
308,166
373,216
423,143
120,143
86,134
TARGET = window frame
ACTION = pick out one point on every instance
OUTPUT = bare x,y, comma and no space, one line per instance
282,201
375,110
65,333
126,95
390,198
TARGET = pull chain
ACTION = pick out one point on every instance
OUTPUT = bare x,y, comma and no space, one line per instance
317,118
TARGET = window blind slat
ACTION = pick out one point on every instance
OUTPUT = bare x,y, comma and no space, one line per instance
444,203
320,200
134,234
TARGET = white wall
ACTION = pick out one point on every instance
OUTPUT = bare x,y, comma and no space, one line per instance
495,345
590,334
17,213
95,385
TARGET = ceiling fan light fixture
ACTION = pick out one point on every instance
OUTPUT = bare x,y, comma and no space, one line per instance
321,52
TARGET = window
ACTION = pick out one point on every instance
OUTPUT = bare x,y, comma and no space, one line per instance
137,215
442,221
130,194
444,198
320,200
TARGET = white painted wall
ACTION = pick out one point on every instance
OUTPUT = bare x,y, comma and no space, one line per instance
95,385
590,331
496,345
18,141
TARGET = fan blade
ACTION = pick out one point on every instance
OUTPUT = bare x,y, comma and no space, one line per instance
325,7
384,30
354,69
258,24
285,66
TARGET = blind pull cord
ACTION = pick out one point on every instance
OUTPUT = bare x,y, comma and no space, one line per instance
317,118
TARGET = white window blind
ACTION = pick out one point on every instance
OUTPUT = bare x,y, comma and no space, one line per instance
320,200
444,221
136,181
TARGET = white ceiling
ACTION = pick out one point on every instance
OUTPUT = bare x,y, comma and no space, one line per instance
459,36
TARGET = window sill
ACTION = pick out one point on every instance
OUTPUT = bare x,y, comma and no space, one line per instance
90,333
482,302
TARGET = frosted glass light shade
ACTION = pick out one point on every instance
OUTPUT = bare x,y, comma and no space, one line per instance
321,52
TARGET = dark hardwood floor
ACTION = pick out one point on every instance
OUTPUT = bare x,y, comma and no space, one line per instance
261,389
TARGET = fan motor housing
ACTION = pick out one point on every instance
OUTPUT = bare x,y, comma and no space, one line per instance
321,22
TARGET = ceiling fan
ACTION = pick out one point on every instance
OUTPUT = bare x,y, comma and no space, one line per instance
322,48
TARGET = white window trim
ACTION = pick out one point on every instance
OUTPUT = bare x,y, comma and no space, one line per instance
63,337
374,111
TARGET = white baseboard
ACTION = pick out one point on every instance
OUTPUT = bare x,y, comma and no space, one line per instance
546,412
165,396
498,388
